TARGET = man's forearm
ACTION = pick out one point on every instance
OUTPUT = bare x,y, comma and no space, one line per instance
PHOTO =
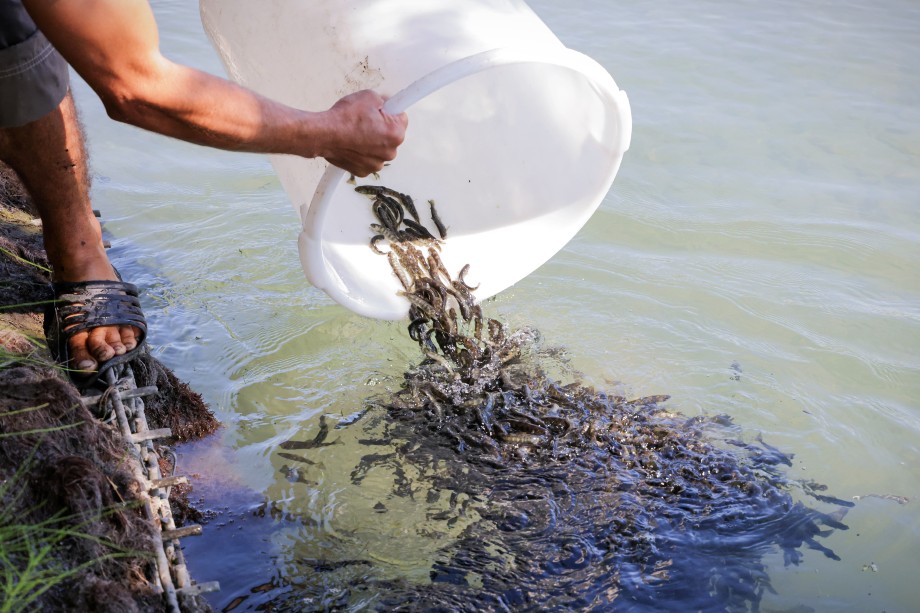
178,101
114,45
200,108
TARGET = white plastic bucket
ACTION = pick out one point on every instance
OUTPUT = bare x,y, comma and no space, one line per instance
514,136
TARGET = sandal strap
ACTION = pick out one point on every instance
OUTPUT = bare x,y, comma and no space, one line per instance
91,304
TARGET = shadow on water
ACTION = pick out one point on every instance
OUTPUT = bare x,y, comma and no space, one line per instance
571,498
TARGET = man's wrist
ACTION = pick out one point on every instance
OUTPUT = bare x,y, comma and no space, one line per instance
312,135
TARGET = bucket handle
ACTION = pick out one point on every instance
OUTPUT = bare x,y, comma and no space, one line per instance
313,216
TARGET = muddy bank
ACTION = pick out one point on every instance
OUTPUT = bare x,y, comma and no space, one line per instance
61,467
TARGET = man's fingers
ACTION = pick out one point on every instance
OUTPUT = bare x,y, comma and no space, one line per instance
366,135
358,171
402,119
360,166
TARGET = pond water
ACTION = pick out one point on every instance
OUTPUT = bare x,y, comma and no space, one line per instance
757,256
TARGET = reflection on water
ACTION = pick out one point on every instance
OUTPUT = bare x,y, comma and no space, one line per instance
765,216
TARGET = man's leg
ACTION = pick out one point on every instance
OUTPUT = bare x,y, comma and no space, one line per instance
49,156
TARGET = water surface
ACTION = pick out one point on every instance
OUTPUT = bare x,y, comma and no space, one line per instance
757,256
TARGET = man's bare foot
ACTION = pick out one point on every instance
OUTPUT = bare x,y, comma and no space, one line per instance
90,348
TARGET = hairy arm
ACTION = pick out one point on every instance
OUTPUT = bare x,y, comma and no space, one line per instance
114,46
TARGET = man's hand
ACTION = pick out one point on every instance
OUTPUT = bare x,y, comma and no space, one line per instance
361,135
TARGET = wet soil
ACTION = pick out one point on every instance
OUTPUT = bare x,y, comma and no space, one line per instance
59,458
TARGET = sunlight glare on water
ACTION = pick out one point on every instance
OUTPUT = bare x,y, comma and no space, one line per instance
757,256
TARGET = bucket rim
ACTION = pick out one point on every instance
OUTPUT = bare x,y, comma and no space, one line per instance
313,214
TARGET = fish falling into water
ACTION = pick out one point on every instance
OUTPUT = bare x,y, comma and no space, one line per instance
583,500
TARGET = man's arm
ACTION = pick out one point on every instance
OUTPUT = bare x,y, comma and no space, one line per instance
114,46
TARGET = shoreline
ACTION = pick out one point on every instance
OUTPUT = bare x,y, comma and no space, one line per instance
60,467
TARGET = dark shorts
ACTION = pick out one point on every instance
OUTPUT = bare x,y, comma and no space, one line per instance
33,75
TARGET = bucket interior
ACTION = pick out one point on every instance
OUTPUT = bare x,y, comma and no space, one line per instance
516,157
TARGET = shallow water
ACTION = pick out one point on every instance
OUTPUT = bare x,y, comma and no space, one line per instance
756,256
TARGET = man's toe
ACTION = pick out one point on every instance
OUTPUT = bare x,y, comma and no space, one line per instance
80,358
98,344
114,340
128,337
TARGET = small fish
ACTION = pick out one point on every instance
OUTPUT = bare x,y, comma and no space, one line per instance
400,272
528,440
461,278
318,441
296,445
410,206
496,331
369,190
295,458
373,244
422,230
387,233
390,215
436,267
442,229
417,328
417,301
378,190
647,400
